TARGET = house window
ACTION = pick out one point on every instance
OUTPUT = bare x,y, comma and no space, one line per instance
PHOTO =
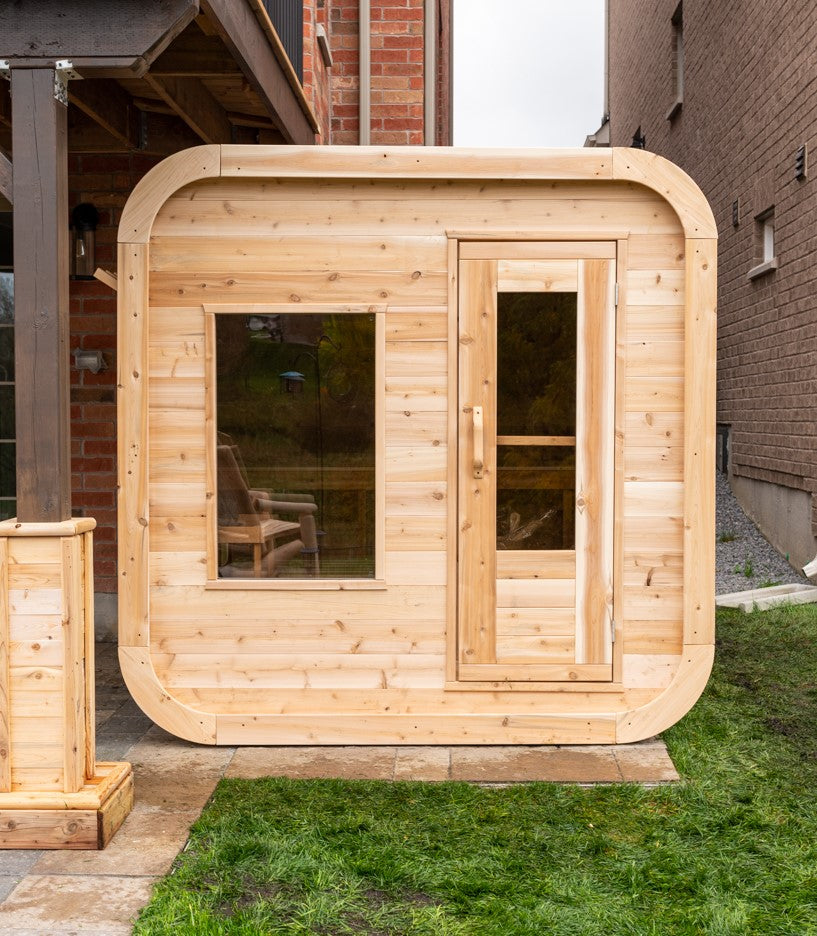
765,251
297,438
767,236
8,504
677,60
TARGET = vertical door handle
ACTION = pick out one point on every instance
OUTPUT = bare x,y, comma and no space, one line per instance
479,445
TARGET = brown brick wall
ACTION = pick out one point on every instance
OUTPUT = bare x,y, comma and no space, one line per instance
750,100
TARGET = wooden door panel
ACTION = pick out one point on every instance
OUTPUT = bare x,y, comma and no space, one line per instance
535,614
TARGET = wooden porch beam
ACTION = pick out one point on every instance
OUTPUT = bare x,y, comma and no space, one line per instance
122,35
191,100
41,246
241,32
109,105
195,55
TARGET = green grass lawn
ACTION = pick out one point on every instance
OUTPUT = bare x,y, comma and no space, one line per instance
730,850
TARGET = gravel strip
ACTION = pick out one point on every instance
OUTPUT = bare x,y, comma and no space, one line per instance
744,557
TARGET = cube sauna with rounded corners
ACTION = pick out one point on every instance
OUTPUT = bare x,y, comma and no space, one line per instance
416,445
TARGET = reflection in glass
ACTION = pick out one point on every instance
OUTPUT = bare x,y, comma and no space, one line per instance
536,420
296,445
536,364
8,478
535,497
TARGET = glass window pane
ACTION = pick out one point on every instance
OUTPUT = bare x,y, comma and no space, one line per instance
6,298
535,497
7,413
536,364
7,471
296,445
6,353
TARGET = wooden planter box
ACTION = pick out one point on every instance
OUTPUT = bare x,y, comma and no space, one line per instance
603,636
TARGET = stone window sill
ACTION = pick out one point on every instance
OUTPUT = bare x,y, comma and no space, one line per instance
673,112
762,269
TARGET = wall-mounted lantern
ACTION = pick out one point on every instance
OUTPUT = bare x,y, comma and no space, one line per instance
84,219
292,382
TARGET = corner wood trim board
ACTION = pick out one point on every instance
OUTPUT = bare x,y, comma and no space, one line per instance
637,169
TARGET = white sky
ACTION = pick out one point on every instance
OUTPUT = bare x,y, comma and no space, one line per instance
527,72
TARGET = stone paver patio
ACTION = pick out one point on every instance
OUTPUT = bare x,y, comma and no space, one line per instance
100,893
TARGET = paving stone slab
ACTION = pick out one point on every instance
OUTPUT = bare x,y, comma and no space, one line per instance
145,846
81,904
312,763
422,763
514,764
18,861
646,763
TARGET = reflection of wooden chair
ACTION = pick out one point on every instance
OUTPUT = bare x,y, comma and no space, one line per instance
248,518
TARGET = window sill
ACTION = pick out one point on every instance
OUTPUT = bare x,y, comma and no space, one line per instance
673,112
762,269
305,584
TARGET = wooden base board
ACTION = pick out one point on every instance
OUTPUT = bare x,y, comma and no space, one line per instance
87,819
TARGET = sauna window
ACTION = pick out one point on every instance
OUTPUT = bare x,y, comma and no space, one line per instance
295,439
536,420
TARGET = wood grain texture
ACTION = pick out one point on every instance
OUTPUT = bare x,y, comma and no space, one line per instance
477,506
154,700
154,188
41,321
323,224
672,183
351,162
674,702
699,450
132,444
595,477
5,697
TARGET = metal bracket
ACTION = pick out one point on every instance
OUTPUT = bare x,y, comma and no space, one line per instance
616,302
612,631
63,73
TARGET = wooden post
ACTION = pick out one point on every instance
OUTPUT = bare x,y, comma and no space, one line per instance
41,247
53,794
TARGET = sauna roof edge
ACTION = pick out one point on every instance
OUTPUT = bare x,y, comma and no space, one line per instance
617,164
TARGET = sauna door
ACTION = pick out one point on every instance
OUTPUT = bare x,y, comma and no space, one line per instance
536,461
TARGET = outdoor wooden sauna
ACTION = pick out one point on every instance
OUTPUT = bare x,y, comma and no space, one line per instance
416,445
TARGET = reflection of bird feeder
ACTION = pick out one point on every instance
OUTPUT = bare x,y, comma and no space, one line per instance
84,219
292,382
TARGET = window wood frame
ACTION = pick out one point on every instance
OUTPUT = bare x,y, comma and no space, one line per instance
210,402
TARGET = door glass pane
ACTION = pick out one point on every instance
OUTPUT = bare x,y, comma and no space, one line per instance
536,364
536,396
535,497
296,445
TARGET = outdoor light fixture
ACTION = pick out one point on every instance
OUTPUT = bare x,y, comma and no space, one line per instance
92,361
292,382
84,219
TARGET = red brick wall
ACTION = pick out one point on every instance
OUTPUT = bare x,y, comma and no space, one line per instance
106,181
397,68
316,75
750,101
